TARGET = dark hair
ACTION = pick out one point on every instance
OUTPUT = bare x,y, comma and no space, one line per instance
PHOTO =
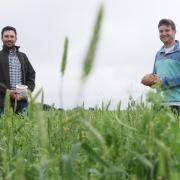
167,22
8,28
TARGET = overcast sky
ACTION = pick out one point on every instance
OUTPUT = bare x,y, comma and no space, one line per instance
128,43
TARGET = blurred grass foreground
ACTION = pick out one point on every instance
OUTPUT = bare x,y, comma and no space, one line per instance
141,142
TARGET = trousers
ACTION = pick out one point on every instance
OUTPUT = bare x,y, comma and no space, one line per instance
21,106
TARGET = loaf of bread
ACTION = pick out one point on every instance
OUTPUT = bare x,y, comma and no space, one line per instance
150,79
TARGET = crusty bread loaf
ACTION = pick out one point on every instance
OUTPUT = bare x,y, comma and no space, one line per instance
150,79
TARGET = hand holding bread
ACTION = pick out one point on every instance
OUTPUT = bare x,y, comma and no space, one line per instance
151,79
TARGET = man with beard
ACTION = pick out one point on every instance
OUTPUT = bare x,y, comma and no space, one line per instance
166,72
15,69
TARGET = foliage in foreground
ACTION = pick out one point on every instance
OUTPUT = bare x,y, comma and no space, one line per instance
141,142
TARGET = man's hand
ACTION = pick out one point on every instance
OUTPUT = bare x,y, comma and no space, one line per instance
12,94
158,83
151,79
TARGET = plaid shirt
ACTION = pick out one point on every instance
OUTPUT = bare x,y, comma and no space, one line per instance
15,73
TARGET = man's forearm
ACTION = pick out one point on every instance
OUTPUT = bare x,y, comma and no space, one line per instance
169,82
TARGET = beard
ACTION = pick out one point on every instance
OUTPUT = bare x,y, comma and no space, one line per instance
9,44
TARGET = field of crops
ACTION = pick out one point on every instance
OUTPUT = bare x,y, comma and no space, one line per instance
141,142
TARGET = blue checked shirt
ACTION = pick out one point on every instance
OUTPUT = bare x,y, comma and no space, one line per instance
15,73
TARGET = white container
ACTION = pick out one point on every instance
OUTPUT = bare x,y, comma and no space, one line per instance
21,90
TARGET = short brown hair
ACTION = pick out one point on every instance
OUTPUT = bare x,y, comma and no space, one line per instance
167,22
8,28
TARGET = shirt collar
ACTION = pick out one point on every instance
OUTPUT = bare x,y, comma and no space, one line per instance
176,47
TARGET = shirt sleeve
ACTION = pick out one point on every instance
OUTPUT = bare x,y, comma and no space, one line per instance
169,82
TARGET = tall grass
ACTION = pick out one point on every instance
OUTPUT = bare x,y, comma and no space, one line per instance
91,51
63,68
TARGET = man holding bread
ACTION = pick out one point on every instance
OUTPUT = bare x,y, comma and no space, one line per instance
17,75
166,72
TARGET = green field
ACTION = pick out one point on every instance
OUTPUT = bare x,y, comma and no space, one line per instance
141,142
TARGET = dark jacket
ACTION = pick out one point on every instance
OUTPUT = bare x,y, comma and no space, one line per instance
28,73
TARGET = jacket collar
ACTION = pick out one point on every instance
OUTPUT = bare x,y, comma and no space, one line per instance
6,49
176,47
